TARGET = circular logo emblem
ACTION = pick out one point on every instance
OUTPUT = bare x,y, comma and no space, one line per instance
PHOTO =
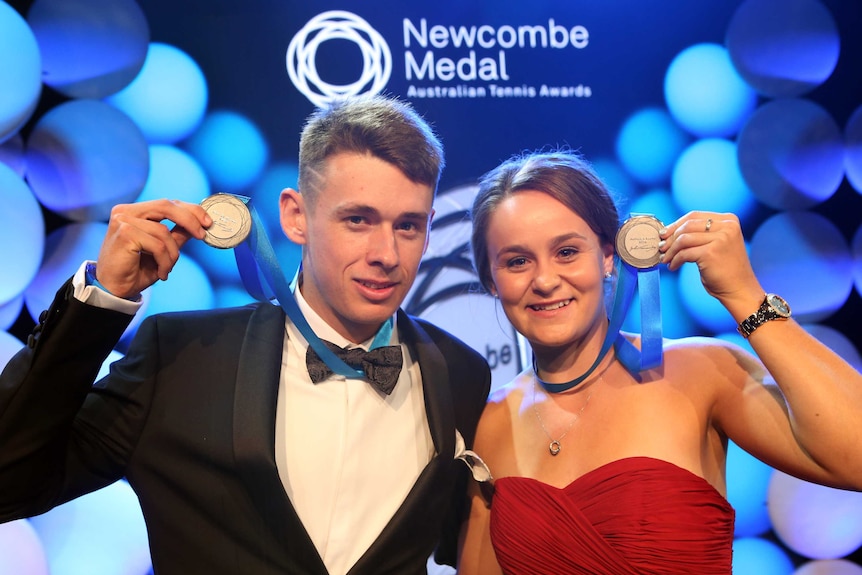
337,25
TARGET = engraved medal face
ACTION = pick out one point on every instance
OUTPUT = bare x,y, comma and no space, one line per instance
231,220
637,241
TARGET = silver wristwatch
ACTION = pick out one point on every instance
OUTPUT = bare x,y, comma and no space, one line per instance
773,307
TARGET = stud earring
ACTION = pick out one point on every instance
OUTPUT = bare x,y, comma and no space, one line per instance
608,275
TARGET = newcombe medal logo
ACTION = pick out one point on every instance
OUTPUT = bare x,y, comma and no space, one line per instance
342,26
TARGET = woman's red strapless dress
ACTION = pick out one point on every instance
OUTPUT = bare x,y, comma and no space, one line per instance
637,515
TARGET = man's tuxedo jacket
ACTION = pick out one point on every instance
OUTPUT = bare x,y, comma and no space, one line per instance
188,417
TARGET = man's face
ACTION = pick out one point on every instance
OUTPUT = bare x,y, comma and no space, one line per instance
363,240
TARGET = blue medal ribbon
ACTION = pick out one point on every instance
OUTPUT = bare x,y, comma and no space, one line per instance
648,284
255,257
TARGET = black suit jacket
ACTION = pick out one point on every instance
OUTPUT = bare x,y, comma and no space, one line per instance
188,417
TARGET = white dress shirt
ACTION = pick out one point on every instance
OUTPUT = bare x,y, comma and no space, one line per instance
347,455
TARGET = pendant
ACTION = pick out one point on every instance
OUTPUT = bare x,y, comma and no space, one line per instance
554,447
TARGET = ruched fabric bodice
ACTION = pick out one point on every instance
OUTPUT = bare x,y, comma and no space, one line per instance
637,515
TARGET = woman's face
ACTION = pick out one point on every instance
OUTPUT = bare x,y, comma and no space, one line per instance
547,268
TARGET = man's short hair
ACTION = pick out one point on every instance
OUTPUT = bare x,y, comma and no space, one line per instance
382,126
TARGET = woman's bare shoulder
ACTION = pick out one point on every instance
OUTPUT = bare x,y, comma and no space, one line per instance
702,359
503,405
512,391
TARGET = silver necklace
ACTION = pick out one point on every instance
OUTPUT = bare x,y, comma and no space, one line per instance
555,446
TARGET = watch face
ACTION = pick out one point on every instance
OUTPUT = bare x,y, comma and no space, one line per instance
779,305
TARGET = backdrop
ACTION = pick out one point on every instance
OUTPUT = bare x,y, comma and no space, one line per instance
751,107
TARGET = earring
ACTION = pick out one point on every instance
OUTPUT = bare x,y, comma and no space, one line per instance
608,275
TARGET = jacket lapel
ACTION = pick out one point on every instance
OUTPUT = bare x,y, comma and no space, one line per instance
435,384
254,436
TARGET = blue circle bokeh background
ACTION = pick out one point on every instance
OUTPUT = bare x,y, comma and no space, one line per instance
752,107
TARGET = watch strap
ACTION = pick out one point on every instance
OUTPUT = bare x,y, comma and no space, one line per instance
763,314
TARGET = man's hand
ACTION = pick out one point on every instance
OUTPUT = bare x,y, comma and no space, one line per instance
140,249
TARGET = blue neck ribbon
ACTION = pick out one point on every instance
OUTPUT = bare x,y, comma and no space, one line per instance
255,257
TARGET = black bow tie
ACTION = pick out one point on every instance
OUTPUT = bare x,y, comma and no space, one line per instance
381,365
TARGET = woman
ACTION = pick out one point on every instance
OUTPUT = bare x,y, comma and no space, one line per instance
622,472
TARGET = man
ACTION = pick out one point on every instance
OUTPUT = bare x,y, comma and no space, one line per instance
240,462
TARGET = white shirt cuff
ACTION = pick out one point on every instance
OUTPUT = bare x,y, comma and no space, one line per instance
92,295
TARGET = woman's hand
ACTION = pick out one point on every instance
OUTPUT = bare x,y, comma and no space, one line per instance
715,243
